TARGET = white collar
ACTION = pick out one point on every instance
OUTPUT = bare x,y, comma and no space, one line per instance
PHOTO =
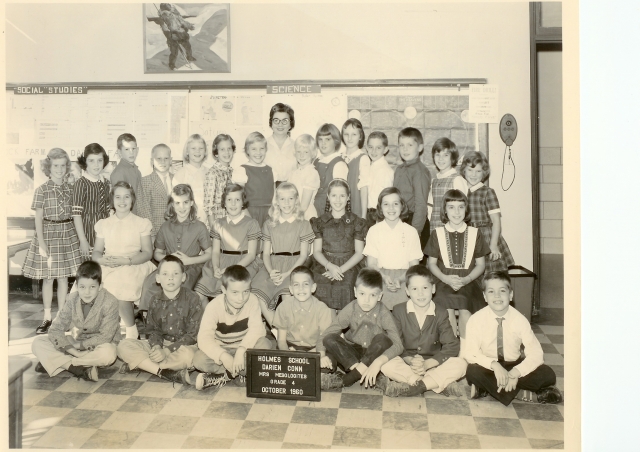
256,165
382,161
237,219
450,228
91,177
291,219
328,158
351,156
447,173
286,142
476,187
412,308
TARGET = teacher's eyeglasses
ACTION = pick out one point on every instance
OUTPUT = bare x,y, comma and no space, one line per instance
284,122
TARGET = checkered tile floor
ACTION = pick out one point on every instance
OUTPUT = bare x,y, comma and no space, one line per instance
143,412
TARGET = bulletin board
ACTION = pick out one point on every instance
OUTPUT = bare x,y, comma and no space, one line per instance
169,114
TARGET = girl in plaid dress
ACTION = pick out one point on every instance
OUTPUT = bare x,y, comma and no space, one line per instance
218,177
485,211
54,252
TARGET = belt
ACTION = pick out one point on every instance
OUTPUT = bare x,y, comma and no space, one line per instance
58,221
297,253
235,253
480,224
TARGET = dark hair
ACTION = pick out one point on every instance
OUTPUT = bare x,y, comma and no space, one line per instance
171,258
499,275
181,190
338,183
235,273
126,137
329,129
455,195
54,154
380,136
356,124
412,132
419,270
283,108
445,144
217,140
122,184
90,270
93,148
369,277
404,214
233,188
301,269
473,159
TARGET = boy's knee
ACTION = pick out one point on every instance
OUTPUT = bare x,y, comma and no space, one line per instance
264,344
331,340
381,340
547,375
109,353
199,359
474,371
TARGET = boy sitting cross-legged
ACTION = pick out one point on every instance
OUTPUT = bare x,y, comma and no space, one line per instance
371,340
231,323
429,360
172,326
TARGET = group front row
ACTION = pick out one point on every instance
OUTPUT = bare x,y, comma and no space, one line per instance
405,352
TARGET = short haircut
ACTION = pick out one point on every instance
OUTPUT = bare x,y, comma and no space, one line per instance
90,149
90,270
452,196
158,146
306,140
191,139
233,188
329,130
445,144
370,278
473,159
54,154
122,184
301,269
171,258
126,137
499,275
274,210
356,124
337,183
235,273
376,134
181,190
411,132
253,137
283,108
219,139
404,214
419,270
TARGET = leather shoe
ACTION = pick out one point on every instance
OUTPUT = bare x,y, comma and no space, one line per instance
44,327
550,394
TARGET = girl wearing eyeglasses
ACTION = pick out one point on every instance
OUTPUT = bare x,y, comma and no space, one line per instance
280,146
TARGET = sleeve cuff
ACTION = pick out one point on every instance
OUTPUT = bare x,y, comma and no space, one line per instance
491,212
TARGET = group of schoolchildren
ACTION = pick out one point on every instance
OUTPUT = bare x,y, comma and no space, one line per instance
279,247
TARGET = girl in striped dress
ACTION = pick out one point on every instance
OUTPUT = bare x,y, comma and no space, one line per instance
90,201
54,252
485,211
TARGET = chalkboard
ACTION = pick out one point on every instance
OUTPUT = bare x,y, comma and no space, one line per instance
282,374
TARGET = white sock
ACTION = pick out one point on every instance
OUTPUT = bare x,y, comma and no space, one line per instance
462,348
132,332
47,314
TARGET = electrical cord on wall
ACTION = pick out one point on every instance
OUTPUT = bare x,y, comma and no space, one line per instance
509,159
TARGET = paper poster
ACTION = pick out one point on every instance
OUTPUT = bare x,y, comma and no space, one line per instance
483,103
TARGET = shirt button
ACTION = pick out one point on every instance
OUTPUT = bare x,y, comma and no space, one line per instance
419,348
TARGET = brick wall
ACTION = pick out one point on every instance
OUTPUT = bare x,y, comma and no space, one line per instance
551,200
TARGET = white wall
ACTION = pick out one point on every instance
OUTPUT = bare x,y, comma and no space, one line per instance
103,43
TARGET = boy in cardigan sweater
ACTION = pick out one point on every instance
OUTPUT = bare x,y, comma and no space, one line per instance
429,361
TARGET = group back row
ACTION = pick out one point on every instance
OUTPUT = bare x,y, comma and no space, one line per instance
279,204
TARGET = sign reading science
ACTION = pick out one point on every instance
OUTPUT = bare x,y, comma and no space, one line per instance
282,374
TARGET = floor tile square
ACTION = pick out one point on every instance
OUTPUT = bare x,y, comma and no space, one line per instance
33,396
553,358
262,431
16,316
128,422
201,442
546,443
454,441
361,401
310,434
185,407
551,329
148,440
132,375
111,439
393,439
485,408
549,348
270,413
63,399
543,429
405,421
104,402
163,390
286,445
80,385
442,423
493,426
318,416
538,412
217,428
151,405
85,418
560,383
188,392
42,418
357,388
64,438
359,418
177,425
20,333
405,404
255,444
357,437
542,338
119,387
556,338
448,406
559,348
232,394
228,410
329,400
503,442
281,402
45,383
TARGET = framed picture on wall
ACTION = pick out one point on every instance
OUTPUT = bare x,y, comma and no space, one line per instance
186,37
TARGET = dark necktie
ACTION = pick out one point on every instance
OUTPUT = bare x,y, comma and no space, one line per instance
500,343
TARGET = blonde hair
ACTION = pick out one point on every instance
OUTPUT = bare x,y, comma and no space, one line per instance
54,154
191,139
306,140
254,137
274,210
